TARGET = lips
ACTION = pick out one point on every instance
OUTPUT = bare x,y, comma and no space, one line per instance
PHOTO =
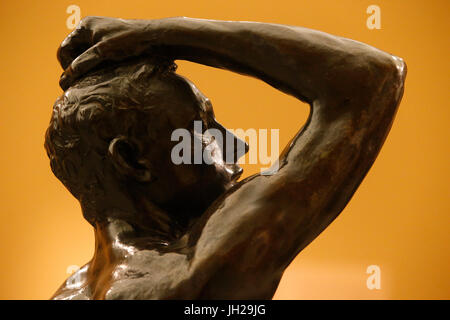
235,172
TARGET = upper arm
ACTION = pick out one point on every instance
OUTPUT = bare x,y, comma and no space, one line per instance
265,222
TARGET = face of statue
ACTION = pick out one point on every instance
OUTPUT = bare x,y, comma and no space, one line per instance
186,186
111,138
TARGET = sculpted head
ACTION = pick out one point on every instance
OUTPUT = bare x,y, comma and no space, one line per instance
109,141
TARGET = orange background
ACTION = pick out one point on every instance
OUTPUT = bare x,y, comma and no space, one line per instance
398,218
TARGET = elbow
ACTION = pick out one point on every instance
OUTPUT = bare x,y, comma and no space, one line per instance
392,69
379,74
363,72
400,68
395,70
400,71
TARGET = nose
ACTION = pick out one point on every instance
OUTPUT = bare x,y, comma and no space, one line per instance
233,148
237,172
241,149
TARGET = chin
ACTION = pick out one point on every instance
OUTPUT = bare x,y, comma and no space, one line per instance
193,200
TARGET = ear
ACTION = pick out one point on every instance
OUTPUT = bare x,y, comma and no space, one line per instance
125,157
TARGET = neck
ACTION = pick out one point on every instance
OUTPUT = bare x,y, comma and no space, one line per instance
118,233
138,212
112,243
111,248
116,240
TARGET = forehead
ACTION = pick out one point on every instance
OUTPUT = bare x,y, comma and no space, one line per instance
180,101
201,102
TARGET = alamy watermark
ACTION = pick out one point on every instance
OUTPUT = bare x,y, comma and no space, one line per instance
374,20
211,147
74,18
75,278
374,280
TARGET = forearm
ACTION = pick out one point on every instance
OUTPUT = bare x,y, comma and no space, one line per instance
354,91
305,63
309,64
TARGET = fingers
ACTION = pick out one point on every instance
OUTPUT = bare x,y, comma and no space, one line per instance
78,41
85,62
94,41
110,50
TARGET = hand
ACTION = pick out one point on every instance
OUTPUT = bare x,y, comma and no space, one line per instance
100,39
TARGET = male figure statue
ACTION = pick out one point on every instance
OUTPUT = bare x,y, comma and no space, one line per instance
191,231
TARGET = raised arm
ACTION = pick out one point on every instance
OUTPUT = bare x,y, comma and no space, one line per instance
298,61
353,89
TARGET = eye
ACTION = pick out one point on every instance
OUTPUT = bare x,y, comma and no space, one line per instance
208,108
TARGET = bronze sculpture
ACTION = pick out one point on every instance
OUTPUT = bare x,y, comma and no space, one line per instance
167,231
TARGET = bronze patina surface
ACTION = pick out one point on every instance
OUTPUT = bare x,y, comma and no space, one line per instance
191,231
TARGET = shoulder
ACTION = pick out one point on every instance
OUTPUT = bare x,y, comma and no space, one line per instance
151,274
75,286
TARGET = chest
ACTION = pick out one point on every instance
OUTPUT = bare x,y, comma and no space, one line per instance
151,275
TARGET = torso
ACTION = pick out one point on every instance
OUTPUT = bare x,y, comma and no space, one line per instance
148,274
